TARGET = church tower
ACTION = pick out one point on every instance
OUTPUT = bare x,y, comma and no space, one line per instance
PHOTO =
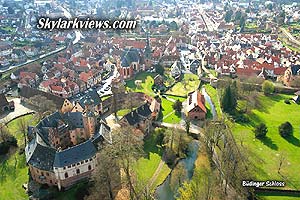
89,118
148,52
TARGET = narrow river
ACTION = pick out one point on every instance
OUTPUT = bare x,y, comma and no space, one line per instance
165,191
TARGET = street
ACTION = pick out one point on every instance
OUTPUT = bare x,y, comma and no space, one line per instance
19,110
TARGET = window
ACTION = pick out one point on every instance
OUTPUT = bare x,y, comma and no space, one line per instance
50,181
66,175
78,163
42,173
73,165
82,162
89,167
47,174
90,159
69,166
64,167
86,161
77,171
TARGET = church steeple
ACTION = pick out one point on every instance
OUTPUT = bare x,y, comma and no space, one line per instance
148,47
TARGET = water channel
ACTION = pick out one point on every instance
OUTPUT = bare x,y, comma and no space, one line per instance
164,191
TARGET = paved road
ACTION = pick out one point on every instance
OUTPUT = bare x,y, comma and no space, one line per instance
19,110
290,36
34,60
193,129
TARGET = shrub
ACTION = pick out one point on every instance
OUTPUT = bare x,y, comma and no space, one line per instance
4,147
177,106
240,118
261,130
268,87
287,101
285,129
12,141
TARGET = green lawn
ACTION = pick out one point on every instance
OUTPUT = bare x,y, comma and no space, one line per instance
168,114
192,82
213,93
14,172
267,196
145,87
147,165
105,97
264,155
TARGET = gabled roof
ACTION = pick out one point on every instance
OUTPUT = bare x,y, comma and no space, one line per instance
73,119
28,92
3,100
75,154
40,156
137,115
295,69
129,56
196,99
92,94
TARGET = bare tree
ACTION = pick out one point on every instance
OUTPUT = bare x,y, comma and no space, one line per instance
125,149
23,128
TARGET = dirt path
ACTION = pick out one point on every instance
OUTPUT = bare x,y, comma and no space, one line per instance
156,173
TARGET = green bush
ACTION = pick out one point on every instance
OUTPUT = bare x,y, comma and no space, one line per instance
285,129
287,101
4,148
268,87
261,130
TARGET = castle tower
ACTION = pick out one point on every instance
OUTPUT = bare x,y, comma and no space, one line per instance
89,118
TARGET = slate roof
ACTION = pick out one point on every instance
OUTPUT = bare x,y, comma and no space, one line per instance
295,69
28,92
130,55
138,114
3,100
74,154
92,94
40,156
73,119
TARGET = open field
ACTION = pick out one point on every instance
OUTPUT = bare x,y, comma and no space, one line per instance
13,171
147,165
189,83
265,154
168,113
213,93
147,82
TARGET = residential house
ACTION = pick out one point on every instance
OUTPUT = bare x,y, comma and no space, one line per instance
296,98
290,74
141,119
195,109
5,105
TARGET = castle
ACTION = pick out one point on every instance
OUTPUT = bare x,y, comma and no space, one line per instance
63,146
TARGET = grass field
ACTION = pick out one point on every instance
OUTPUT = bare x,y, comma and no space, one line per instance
13,171
168,113
146,166
213,93
192,82
147,82
265,154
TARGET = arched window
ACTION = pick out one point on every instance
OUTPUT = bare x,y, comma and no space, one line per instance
89,167
78,171
66,175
